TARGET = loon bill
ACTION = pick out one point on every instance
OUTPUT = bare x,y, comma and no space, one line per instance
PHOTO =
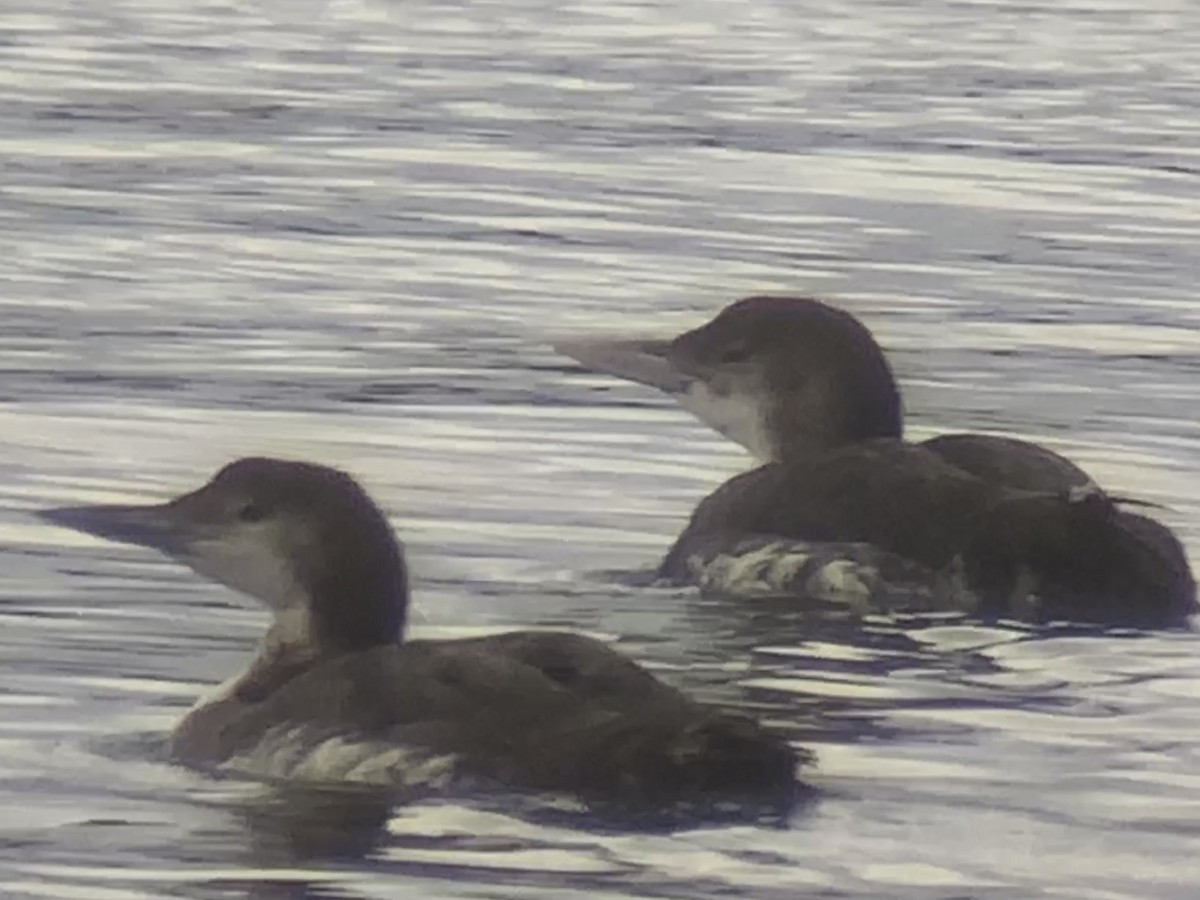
334,695
843,505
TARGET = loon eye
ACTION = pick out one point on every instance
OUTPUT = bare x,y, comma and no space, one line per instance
250,512
736,354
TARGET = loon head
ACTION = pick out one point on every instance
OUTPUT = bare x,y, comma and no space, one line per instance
303,539
782,376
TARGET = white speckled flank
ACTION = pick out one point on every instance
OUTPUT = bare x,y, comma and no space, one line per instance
297,753
856,577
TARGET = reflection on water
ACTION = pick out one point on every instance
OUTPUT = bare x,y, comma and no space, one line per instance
348,231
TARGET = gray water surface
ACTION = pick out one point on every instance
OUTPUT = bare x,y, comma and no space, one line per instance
346,231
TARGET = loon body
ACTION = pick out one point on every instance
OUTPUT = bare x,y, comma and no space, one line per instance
843,505
334,695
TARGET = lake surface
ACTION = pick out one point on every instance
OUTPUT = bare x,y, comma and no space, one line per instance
346,231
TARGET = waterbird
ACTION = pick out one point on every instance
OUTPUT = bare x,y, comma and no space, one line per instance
844,510
334,693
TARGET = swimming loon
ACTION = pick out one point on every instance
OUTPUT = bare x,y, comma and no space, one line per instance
333,694
844,508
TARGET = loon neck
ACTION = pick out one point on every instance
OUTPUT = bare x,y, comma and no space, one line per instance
788,418
328,625
802,426
351,607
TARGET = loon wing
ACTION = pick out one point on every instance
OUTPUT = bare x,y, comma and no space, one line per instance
504,709
1010,462
1022,554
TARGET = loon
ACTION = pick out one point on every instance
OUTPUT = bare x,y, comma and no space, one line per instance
843,509
334,694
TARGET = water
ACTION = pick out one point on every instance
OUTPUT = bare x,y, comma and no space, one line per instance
346,231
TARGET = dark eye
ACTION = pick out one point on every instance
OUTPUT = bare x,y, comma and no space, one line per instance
250,512
736,354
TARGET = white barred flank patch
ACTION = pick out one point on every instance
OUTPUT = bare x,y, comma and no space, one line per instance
296,753
785,567
857,577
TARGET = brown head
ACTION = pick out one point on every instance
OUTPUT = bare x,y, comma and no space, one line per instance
304,539
782,376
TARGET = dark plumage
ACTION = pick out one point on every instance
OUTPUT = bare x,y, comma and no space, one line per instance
540,710
992,525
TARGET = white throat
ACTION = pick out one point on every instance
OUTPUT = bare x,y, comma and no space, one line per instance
739,415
